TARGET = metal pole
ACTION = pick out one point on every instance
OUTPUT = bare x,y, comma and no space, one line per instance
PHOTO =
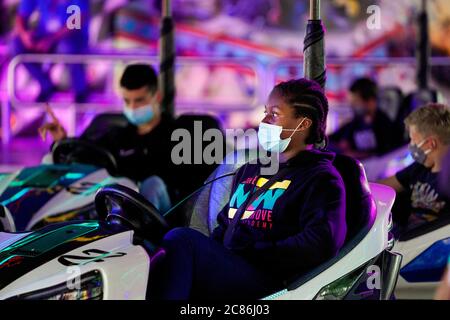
314,10
314,46
166,8
423,48
167,59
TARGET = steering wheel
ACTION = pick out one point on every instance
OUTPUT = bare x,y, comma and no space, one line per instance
76,150
121,205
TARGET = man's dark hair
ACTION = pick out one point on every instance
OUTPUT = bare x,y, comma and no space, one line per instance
137,76
364,87
308,99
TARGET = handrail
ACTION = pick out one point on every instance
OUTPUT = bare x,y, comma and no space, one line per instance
252,64
265,74
369,60
336,62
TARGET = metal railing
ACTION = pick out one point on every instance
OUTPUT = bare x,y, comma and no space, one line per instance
251,64
14,102
336,65
265,75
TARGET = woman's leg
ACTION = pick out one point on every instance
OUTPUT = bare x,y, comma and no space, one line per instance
196,266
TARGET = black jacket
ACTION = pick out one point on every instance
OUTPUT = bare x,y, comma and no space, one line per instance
295,225
378,138
141,156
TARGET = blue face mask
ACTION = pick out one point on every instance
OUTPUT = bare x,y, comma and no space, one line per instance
140,115
270,139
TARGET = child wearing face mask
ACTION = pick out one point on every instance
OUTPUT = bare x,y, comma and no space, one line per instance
429,131
276,226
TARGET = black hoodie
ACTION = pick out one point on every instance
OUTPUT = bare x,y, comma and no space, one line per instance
297,224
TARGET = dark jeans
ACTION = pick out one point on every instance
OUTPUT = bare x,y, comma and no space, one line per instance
197,266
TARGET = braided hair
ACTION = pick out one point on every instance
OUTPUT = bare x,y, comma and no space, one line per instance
308,100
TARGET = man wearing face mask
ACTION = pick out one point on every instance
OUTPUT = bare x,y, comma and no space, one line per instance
429,131
143,147
276,226
370,133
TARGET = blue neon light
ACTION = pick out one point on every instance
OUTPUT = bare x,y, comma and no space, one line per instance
74,175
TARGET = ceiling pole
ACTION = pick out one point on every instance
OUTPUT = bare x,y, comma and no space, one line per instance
314,46
167,59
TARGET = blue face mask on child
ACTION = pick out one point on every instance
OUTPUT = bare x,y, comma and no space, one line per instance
139,115
270,139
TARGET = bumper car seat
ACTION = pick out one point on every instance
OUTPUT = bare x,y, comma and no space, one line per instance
367,232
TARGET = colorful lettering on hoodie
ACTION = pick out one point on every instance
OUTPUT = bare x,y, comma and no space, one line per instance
258,214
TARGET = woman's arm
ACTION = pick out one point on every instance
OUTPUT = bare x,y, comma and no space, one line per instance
322,235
